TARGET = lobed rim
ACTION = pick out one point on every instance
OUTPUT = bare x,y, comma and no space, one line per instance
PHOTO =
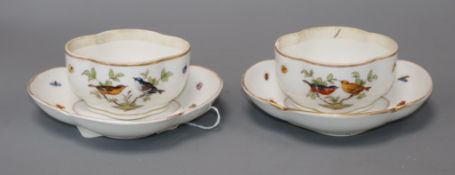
99,37
391,44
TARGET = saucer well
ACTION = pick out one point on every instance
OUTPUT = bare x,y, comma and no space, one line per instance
410,90
52,93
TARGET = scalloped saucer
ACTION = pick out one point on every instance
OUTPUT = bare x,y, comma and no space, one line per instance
52,93
411,89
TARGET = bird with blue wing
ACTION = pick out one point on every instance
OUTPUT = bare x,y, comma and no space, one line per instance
147,87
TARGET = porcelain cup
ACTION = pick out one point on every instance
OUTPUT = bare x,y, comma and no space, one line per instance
335,69
127,72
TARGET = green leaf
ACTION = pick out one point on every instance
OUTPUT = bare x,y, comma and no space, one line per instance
330,77
165,75
333,99
362,95
96,94
313,95
153,81
119,75
92,74
371,76
115,77
358,81
126,98
145,74
319,81
146,98
356,74
307,73
86,73
108,83
111,74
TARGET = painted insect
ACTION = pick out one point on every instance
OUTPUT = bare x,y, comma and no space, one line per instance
55,83
199,86
185,68
404,78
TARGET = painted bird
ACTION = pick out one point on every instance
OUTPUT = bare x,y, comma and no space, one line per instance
321,89
109,90
353,88
148,87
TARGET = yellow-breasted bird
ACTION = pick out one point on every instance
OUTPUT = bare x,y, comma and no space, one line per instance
109,90
353,88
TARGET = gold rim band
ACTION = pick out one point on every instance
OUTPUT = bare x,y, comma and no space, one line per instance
337,29
69,50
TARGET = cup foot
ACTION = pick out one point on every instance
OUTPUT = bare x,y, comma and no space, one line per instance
126,116
381,103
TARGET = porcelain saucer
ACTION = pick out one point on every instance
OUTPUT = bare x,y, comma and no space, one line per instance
52,93
410,90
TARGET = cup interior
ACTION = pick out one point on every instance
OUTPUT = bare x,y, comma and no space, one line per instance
336,45
127,46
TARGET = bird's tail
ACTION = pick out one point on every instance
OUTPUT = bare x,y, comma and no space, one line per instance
307,82
367,88
160,91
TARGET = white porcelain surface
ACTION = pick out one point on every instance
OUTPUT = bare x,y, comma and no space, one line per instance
406,96
352,67
52,92
106,70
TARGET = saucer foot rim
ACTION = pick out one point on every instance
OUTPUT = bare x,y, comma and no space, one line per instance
126,116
